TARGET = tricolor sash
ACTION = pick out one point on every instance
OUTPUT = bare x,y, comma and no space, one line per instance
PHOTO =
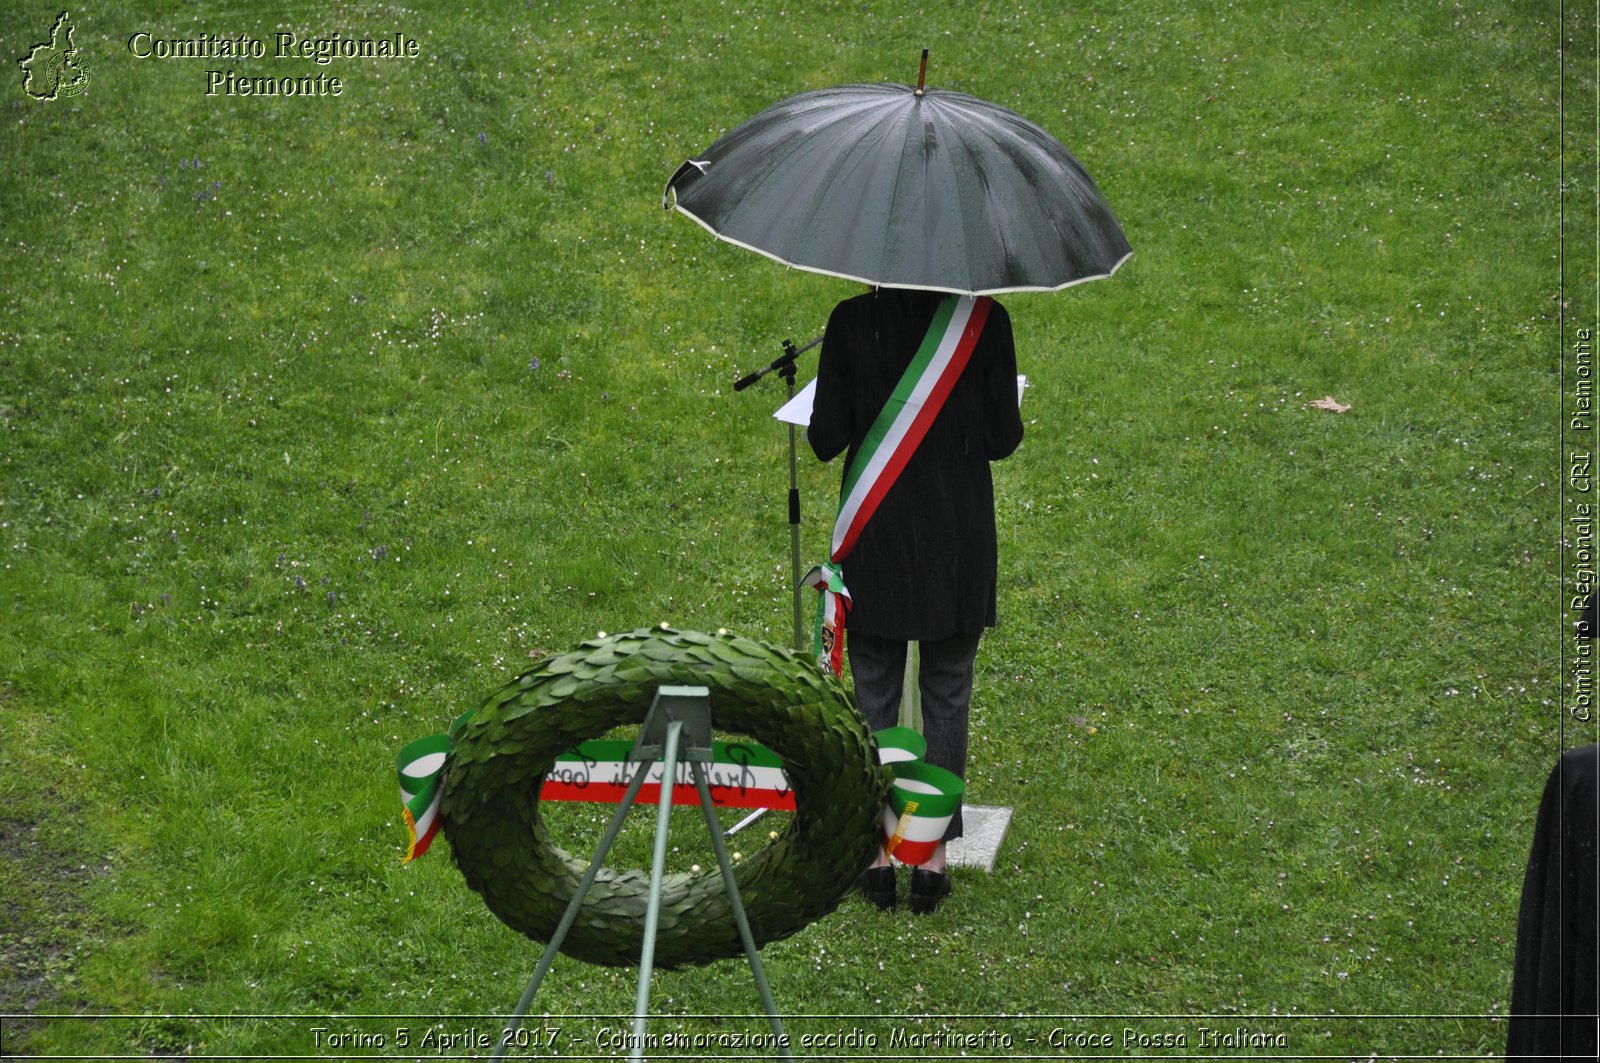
894,436
827,637
907,416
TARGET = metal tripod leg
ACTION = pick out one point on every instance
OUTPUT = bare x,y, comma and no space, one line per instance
571,914
652,913
715,830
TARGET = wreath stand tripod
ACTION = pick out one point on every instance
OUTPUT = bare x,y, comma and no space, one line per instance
678,723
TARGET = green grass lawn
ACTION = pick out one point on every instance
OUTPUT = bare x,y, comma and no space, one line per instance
322,417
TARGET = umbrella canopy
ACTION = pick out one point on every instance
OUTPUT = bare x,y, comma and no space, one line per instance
905,188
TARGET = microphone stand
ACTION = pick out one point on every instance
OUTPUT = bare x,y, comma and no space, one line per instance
784,366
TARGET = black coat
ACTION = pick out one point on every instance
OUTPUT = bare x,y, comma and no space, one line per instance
1555,971
924,566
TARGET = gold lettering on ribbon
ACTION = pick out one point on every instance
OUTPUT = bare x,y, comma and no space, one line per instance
899,834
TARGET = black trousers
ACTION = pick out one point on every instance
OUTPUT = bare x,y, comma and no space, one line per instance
945,679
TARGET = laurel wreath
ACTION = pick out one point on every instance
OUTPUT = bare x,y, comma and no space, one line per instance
490,802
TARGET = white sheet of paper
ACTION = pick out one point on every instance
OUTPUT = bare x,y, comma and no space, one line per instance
797,411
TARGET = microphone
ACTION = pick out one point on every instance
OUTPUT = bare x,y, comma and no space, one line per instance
783,363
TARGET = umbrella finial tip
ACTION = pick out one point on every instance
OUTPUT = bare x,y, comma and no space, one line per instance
922,72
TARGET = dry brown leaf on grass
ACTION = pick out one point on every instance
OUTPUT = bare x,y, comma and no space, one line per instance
1328,402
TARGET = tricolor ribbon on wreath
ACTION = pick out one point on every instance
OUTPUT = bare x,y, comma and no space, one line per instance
421,769
895,434
914,819
921,802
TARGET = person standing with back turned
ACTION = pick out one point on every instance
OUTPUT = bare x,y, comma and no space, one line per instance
920,566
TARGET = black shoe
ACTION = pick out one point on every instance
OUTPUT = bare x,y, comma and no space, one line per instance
877,886
928,890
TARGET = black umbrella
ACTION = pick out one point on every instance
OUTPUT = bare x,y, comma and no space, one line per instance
905,187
